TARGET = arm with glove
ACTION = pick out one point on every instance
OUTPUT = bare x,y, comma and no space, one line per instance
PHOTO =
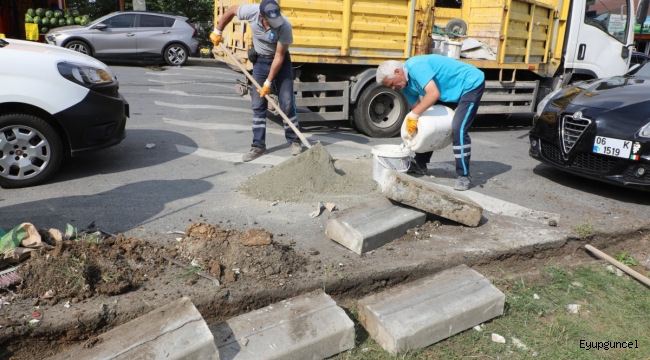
432,94
216,37
275,67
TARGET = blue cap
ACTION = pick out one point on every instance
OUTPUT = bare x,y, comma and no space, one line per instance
270,10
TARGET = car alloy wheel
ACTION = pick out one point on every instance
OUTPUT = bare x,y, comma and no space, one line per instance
79,47
175,54
30,151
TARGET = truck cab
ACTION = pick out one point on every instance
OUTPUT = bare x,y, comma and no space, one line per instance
600,38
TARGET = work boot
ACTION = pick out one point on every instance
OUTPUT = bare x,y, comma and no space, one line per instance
296,148
253,154
417,168
463,182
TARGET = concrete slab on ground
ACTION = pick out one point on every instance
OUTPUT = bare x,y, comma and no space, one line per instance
309,326
417,314
370,225
173,331
430,197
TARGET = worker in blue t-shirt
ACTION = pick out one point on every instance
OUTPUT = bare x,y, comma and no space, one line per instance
433,78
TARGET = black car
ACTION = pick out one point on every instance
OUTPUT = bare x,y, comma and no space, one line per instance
599,129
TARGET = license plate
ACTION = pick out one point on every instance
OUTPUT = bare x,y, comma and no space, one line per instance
612,147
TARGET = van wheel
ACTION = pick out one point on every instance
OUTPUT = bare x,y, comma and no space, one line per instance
175,54
30,151
80,47
380,111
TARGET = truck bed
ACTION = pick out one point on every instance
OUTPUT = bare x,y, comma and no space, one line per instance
367,32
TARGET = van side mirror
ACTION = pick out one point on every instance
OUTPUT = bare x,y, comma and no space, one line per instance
104,26
642,12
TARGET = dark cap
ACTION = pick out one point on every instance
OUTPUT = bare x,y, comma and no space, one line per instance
270,10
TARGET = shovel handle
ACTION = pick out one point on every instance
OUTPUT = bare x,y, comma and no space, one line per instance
268,98
619,265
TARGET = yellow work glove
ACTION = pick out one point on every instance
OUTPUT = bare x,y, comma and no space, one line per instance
266,89
216,37
412,123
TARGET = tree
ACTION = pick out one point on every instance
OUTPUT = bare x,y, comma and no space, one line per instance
95,9
197,11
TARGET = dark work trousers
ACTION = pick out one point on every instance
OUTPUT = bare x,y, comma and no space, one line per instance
283,84
463,119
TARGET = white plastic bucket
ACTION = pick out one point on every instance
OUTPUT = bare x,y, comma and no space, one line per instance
434,130
452,49
391,157
438,44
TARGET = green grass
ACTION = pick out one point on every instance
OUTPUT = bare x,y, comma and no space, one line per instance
586,229
191,271
626,259
612,308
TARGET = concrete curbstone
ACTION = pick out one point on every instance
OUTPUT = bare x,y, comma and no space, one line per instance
174,331
309,326
371,225
423,312
430,197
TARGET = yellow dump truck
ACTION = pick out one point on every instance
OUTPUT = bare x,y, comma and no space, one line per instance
526,48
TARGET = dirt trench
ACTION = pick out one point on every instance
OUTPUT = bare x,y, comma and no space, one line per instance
251,293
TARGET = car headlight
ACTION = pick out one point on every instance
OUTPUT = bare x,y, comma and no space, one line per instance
545,100
645,131
85,75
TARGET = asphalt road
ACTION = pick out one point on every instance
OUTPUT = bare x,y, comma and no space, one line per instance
200,129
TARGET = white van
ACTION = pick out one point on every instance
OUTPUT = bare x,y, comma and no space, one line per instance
53,102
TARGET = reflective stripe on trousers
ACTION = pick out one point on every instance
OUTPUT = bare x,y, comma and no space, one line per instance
463,119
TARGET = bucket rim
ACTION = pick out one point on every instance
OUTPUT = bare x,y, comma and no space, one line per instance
390,151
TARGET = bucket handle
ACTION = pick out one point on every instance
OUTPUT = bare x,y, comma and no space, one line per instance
388,166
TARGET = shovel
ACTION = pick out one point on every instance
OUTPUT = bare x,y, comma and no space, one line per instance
268,98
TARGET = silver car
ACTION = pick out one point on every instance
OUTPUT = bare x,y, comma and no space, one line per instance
131,35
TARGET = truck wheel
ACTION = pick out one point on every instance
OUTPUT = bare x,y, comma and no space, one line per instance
380,111
30,150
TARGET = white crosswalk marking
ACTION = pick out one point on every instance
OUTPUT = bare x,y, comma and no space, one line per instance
230,157
230,86
213,126
183,93
198,76
322,138
213,107
214,71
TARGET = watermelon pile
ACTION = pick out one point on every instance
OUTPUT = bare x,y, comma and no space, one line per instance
48,19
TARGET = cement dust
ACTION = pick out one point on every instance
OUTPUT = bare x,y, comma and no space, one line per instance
313,176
